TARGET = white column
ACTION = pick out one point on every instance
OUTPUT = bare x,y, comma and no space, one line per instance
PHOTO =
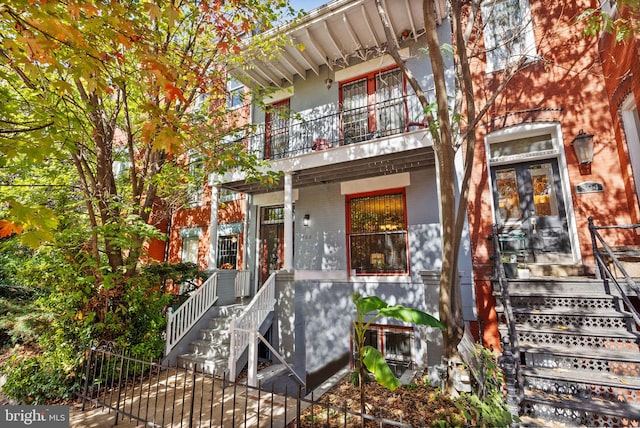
213,227
288,222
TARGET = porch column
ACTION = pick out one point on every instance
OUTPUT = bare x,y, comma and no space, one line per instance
288,222
213,227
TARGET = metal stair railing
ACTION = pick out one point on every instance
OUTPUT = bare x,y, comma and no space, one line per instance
250,320
604,271
511,355
180,321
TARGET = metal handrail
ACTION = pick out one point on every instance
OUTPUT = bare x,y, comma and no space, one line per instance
250,319
334,126
503,282
180,321
604,270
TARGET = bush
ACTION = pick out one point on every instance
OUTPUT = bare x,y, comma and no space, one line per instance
36,380
487,408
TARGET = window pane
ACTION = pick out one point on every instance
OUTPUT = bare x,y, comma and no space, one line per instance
397,346
391,108
544,195
190,250
378,213
228,251
379,253
506,32
278,131
508,197
355,118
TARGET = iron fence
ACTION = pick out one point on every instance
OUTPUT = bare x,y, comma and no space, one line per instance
137,392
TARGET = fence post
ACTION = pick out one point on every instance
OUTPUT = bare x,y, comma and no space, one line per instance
86,378
252,361
193,397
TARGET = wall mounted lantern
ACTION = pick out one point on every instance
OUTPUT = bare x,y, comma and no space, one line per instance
306,220
583,147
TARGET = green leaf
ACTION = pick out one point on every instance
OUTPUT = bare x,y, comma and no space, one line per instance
415,316
370,304
376,364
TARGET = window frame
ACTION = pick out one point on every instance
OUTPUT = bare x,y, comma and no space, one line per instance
235,94
405,230
372,107
492,40
279,135
380,331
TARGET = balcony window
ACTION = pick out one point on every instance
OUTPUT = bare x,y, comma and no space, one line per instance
508,33
277,127
373,106
377,234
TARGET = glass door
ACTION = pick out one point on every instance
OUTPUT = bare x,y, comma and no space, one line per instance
529,204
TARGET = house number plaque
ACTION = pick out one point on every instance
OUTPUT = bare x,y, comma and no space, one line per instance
589,187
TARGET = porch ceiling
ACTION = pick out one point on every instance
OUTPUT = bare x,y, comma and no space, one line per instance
406,161
337,35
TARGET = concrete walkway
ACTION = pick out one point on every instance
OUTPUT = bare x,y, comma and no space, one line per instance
166,401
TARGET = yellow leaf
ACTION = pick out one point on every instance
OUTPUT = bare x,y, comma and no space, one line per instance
154,11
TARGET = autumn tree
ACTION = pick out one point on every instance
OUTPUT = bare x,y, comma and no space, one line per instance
115,90
452,120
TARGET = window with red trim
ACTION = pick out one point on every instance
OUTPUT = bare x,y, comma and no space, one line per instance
277,130
377,233
373,106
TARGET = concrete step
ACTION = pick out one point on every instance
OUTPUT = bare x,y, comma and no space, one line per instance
580,411
214,334
210,348
624,363
568,286
200,363
599,338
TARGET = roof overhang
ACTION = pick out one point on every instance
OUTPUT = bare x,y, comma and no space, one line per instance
336,35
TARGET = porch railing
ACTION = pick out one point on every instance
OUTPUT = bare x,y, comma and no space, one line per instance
250,320
601,250
514,380
332,126
243,284
180,321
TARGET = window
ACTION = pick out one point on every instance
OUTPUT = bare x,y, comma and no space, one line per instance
196,171
373,106
190,242
228,251
277,136
395,343
235,94
377,234
508,32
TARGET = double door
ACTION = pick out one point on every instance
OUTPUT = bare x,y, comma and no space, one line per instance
530,206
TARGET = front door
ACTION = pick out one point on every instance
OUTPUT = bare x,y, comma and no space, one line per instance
271,241
529,205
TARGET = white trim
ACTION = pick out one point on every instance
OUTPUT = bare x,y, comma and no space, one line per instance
558,153
272,198
369,66
631,132
279,95
375,183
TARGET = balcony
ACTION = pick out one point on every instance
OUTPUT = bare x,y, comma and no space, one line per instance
330,144
314,131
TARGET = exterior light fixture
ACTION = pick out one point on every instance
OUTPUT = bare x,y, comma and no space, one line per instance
583,147
306,220
328,82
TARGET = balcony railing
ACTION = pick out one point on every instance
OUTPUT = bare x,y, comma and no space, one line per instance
330,126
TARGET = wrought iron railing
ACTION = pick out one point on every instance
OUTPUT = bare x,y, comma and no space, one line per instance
331,126
601,252
136,391
250,320
180,321
513,376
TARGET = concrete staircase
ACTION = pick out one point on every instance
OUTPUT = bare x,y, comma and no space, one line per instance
210,352
580,352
